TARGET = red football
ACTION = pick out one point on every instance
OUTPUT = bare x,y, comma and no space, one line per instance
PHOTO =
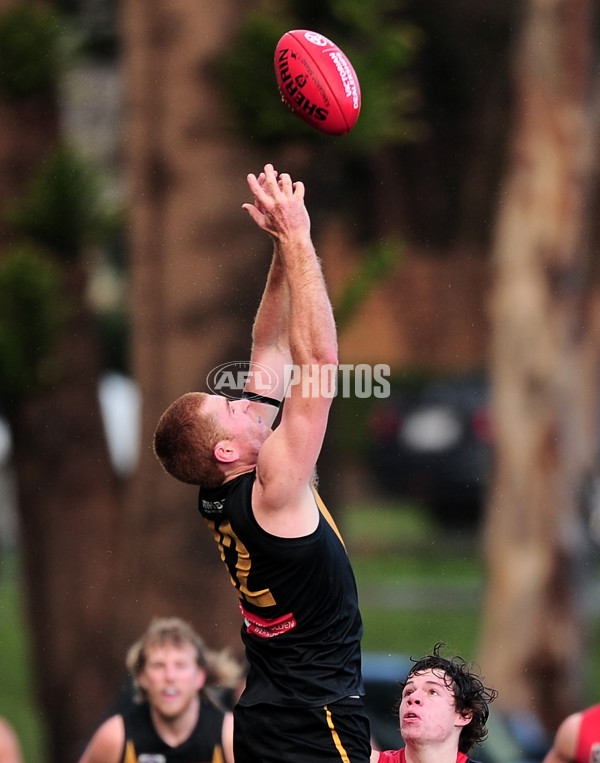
317,81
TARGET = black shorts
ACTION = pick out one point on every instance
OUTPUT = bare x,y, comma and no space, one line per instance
339,732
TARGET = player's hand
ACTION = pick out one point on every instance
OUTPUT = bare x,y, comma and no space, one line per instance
278,206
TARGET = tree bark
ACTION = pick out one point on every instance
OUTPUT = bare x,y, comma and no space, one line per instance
197,268
69,514
544,361
101,558
67,499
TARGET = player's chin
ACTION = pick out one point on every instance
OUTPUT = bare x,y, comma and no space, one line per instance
409,730
170,710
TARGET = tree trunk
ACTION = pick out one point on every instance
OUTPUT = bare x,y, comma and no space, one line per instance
544,359
66,496
194,255
97,569
69,514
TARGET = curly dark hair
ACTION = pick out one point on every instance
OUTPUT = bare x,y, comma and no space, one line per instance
470,695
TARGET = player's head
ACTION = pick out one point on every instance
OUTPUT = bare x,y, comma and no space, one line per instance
471,697
185,439
161,631
167,633
202,439
216,668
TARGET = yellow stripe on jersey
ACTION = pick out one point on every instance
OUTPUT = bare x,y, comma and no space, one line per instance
130,756
325,512
226,538
336,738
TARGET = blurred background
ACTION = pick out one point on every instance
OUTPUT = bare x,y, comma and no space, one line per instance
458,230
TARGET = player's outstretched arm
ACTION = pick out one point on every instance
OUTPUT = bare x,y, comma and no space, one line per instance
270,357
287,459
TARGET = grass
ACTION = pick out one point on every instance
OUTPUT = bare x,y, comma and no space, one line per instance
417,586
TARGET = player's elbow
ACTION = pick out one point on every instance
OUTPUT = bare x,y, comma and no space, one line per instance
314,351
327,356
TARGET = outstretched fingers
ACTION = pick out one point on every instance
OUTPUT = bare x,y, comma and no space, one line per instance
270,184
299,189
285,183
277,200
257,185
264,186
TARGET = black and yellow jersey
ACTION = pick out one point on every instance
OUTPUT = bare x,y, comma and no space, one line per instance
142,743
302,626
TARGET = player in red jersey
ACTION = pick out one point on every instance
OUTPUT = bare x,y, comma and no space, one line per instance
443,712
577,739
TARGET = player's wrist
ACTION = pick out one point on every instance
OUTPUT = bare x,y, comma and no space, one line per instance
295,246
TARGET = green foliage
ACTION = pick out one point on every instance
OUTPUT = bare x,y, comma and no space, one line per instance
30,55
65,207
112,328
380,43
96,23
378,262
32,313
247,74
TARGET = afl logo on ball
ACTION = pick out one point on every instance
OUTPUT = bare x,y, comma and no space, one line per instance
317,39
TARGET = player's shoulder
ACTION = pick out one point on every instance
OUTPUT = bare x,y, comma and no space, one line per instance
567,734
572,723
106,746
9,743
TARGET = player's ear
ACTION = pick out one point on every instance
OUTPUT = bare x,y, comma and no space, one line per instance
226,452
201,680
464,718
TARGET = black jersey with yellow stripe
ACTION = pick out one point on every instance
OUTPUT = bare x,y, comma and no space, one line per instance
302,626
144,745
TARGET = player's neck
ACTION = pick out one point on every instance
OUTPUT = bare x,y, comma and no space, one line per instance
175,730
438,753
237,470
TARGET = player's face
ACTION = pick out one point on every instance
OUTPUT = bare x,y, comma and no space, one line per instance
172,678
239,419
427,709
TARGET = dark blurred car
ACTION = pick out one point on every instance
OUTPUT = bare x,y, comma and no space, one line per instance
382,675
432,444
511,739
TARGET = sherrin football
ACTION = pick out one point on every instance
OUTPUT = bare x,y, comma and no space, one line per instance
317,81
